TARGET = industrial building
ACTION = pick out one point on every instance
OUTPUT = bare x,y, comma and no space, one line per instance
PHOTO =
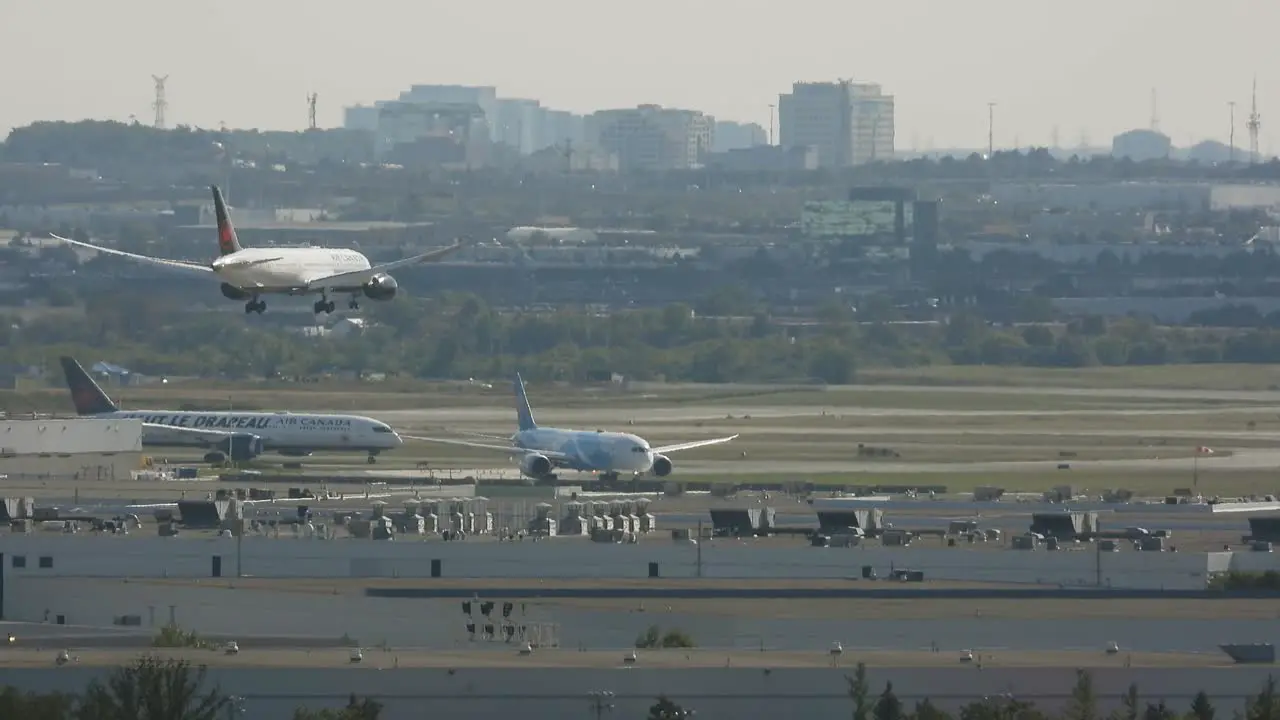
849,123
651,137
576,558
1141,145
470,118
1134,196
81,449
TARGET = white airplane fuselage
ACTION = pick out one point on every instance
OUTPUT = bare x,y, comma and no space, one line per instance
605,452
278,431
266,269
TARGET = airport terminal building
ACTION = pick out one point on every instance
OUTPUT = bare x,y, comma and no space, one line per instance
70,449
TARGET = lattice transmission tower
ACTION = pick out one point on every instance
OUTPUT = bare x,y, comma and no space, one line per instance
160,104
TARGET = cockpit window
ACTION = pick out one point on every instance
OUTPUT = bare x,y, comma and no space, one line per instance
639,449
381,429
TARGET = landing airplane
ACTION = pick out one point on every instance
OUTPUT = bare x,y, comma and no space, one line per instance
247,273
542,450
238,435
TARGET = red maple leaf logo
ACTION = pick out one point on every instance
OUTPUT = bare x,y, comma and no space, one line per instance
226,239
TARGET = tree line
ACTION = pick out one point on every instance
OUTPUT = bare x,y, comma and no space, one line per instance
155,688
1082,704
460,336
152,688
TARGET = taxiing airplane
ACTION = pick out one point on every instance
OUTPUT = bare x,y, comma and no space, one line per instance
542,450
248,273
238,435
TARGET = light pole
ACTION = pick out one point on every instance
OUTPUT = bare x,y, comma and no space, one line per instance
991,129
601,702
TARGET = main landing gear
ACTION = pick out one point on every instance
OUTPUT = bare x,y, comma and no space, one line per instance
354,304
254,306
323,305
372,458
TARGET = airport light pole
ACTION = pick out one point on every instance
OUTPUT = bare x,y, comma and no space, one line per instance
601,702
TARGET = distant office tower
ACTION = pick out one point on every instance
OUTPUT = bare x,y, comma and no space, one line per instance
849,123
485,97
360,117
651,137
738,136
520,124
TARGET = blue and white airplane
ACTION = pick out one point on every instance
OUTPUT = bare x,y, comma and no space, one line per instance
543,450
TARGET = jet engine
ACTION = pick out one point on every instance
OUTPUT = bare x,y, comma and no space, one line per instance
661,465
380,287
535,466
241,446
231,292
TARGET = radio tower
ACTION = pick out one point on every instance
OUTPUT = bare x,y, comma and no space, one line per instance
1155,112
1254,125
160,104
311,111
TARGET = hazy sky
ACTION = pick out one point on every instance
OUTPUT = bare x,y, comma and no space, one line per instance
1085,66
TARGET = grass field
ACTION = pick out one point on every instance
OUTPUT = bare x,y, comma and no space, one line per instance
1189,377
1019,428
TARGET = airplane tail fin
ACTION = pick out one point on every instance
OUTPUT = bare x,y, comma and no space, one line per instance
227,241
85,393
524,414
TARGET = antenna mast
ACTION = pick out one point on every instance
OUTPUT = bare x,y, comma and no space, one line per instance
991,129
160,104
1254,125
1155,112
311,111
1232,136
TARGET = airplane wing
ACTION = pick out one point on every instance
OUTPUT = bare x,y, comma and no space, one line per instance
179,264
360,277
691,445
509,449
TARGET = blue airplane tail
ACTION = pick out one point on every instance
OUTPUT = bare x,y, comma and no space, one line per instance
524,414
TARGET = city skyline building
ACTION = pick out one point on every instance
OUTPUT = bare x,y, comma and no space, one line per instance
850,123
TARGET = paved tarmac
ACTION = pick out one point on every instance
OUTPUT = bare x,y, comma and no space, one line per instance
728,692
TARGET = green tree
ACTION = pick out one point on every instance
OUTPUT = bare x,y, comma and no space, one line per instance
35,706
356,709
1263,706
859,692
1159,711
1084,703
1001,708
1128,704
153,688
926,710
665,709
1201,708
888,707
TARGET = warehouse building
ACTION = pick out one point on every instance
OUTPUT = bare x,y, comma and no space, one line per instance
76,449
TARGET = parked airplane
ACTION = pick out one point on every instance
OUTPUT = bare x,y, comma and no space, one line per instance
247,273
238,435
542,449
